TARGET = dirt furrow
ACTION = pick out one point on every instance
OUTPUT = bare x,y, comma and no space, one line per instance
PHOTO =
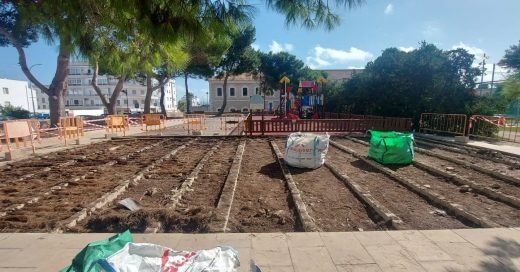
97,154
63,202
18,192
152,193
414,211
487,164
476,204
470,174
195,210
330,203
262,201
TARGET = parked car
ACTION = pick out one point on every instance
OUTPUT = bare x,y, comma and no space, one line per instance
6,118
40,115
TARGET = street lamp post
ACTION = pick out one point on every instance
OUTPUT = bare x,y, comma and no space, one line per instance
30,87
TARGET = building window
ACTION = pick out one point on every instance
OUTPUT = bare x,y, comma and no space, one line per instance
231,91
245,110
142,92
244,91
136,104
74,71
43,99
126,101
5,90
134,92
118,102
219,91
75,82
44,107
76,102
257,91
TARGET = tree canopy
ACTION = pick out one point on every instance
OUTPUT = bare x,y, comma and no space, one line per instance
403,84
512,57
273,66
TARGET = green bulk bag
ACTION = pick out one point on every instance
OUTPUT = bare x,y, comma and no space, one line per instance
87,259
391,147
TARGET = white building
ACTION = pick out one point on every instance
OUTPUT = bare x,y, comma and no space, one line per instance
83,100
240,89
17,93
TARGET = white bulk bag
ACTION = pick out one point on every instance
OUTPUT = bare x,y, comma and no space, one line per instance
145,257
306,150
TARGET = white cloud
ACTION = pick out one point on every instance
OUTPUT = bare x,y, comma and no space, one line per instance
406,49
276,47
255,46
471,49
431,30
322,56
389,9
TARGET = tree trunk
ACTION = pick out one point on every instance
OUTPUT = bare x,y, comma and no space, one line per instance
58,87
149,91
56,106
188,100
115,94
224,102
161,102
110,105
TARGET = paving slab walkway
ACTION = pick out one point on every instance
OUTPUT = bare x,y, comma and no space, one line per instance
429,250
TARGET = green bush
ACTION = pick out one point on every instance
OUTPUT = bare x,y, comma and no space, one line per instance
16,112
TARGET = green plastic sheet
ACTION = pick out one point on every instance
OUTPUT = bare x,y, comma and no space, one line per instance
391,147
87,259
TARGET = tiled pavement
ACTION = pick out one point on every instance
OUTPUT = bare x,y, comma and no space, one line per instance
430,250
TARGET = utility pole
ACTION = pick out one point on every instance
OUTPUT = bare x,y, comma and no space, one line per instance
30,87
493,77
484,57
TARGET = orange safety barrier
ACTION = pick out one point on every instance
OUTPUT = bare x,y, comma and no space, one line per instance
156,121
70,128
117,123
194,122
18,130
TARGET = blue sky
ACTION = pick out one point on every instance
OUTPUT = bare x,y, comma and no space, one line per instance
481,26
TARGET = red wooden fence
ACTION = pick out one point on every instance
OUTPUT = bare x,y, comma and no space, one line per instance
325,125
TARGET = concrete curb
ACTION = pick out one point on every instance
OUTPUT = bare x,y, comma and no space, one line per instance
388,217
112,195
306,220
422,191
225,201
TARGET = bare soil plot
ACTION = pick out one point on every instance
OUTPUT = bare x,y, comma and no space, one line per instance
414,211
71,195
474,203
330,203
487,164
262,201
